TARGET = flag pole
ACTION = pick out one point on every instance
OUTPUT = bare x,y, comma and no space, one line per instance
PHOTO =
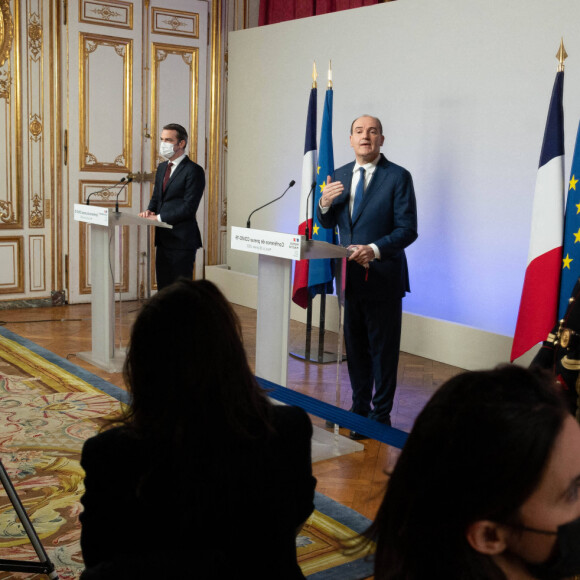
308,341
320,285
538,311
322,317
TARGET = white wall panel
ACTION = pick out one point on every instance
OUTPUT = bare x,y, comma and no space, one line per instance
462,89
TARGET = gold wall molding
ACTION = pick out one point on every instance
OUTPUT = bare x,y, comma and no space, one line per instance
12,260
190,57
56,148
216,101
105,198
118,14
35,106
90,95
85,263
174,22
6,31
36,266
11,103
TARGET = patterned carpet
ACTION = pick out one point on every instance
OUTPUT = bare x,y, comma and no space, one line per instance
48,408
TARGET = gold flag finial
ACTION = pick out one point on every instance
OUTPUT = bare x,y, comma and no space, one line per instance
329,74
314,75
562,55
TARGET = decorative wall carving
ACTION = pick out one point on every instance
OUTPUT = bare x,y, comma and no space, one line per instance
34,106
118,14
108,197
174,22
36,217
6,31
34,36
6,212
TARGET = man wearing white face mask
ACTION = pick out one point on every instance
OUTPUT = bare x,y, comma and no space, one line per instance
179,185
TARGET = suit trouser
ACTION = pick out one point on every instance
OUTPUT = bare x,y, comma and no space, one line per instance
172,264
372,332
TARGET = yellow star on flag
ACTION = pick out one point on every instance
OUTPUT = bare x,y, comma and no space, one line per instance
322,186
573,183
577,208
318,170
567,261
315,229
577,236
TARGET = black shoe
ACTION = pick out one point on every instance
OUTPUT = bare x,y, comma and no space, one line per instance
385,421
358,436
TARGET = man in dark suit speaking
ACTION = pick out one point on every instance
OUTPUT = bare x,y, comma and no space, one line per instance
372,201
179,185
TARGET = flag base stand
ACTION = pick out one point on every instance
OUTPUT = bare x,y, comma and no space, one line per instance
309,352
320,358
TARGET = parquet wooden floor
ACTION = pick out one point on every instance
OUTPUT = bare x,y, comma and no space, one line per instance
357,480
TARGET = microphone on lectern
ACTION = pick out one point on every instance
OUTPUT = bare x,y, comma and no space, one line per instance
129,180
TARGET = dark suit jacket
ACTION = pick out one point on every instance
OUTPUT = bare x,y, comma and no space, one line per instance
229,508
386,217
178,205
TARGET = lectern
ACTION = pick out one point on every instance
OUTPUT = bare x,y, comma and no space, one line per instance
276,252
103,221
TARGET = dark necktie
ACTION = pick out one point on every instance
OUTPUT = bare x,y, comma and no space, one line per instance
167,175
359,191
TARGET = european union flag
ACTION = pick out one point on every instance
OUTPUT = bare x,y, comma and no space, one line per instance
320,273
571,253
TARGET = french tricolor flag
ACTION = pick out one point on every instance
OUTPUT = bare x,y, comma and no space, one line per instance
539,304
309,170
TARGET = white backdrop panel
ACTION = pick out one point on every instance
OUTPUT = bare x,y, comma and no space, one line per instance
462,89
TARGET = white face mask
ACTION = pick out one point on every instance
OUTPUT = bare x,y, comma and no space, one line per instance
166,150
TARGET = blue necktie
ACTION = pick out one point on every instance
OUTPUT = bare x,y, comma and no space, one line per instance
359,191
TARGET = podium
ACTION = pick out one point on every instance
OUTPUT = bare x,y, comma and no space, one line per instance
103,221
276,252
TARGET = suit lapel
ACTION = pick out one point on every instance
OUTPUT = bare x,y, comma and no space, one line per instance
176,172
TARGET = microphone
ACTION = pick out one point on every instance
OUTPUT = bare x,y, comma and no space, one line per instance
291,184
307,229
129,180
104,189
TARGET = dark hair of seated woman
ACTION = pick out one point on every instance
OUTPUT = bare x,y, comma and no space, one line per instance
467,497
201,475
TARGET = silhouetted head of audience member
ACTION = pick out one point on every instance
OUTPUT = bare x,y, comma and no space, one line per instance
187,370
487,485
